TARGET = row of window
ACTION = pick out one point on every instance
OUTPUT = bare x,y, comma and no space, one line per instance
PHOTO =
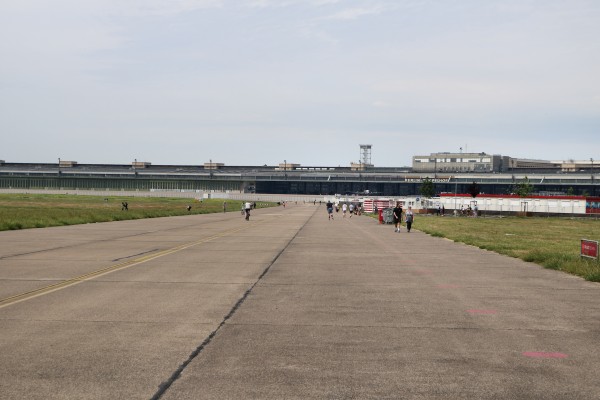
453,160
116,184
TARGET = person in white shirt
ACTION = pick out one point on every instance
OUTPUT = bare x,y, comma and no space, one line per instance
247,207
409,216
344,209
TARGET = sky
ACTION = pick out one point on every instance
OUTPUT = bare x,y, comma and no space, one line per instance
254,82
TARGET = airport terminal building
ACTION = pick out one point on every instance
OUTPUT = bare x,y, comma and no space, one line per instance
482,162
450,173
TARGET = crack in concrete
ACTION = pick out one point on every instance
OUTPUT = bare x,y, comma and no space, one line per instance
164,386
135,255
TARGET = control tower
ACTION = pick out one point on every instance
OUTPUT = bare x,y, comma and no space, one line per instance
365,158
365,154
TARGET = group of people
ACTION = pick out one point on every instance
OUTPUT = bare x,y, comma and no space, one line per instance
347,209
409,217
467,211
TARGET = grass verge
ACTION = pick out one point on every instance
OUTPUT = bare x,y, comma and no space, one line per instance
23,211
553,243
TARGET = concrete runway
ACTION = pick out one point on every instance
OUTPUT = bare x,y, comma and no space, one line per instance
286,306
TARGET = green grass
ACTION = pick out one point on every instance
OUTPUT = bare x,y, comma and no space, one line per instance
23,211
551,242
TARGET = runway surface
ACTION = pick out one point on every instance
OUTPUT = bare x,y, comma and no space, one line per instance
288,305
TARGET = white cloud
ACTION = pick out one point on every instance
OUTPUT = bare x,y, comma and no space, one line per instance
158,7
108,7
286,3
355,13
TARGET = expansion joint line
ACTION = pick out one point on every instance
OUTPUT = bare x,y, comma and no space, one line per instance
163,387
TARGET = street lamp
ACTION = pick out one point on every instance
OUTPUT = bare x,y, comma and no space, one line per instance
455,192
456,188
58,173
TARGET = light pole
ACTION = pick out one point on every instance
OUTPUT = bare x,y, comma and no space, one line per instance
59,172
455,192
456,188
593,188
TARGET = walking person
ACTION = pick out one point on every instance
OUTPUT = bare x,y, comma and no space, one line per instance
247,207
344,209
330,209
397,216
409,217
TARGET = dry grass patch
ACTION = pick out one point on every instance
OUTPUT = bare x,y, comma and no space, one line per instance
22,211
551,242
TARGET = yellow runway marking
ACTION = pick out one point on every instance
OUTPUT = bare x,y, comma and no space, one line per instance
116,267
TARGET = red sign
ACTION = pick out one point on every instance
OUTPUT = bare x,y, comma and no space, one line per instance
589,248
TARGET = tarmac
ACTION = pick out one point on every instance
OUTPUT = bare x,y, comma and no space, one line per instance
288,305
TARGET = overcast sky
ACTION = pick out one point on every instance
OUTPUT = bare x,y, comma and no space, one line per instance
253,82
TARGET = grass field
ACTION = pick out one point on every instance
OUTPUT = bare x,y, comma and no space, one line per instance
22,211
551,242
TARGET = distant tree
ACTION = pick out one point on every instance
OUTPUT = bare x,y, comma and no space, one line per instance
570,191
474,190
427,188
524,188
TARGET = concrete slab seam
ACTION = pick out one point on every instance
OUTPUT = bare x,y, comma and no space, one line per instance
163,387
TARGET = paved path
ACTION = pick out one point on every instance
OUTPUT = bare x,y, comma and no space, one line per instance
286,306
